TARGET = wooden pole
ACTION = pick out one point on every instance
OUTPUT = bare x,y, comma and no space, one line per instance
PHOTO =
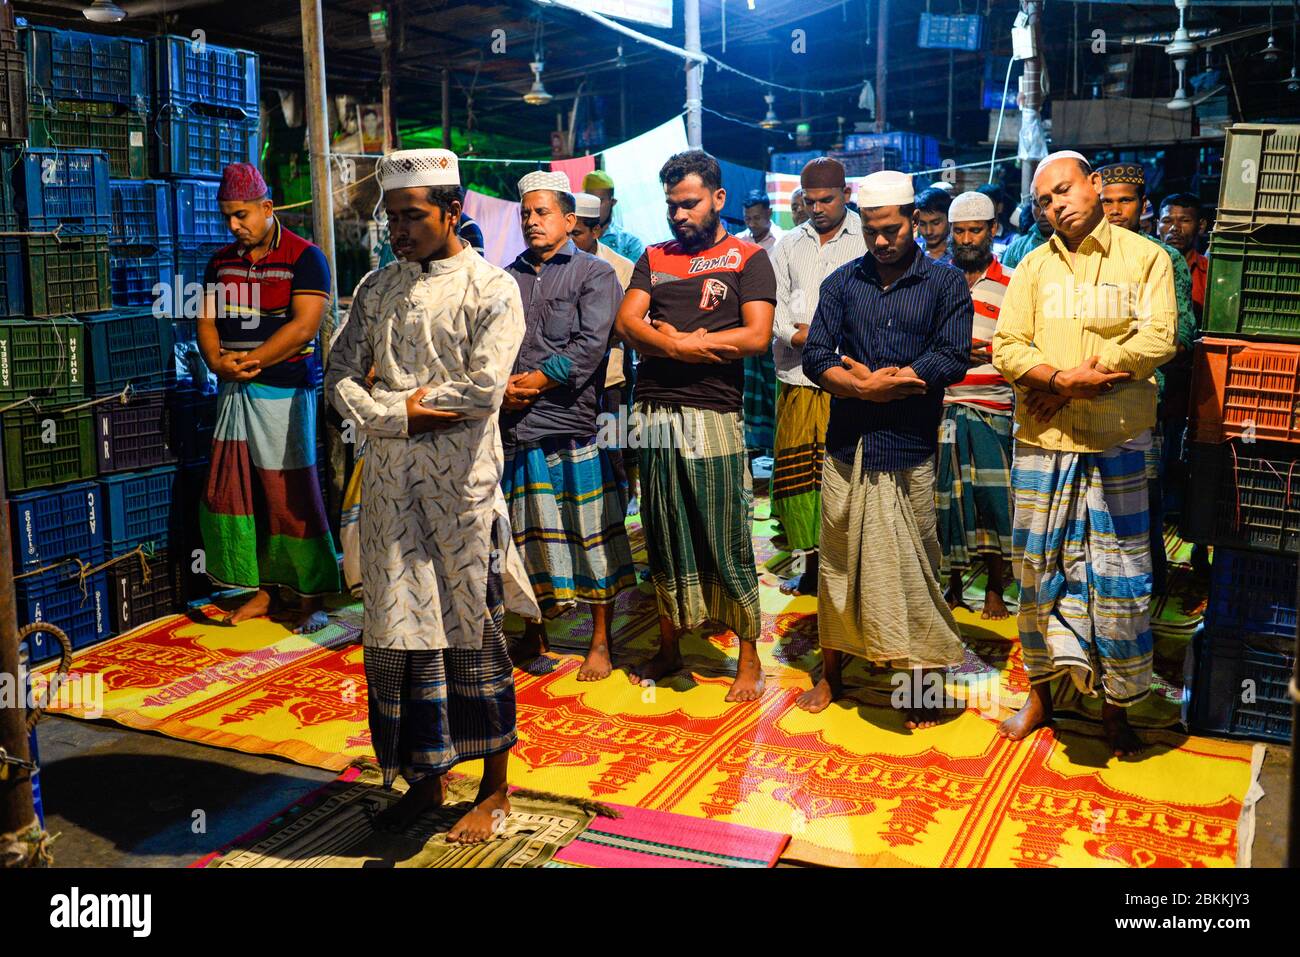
386,85
446,109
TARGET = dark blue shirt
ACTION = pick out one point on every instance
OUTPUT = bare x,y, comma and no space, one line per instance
924,321
569,308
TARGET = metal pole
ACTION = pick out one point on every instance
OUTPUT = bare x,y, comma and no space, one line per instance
1031,86
446,109
694,76
17,810
882,43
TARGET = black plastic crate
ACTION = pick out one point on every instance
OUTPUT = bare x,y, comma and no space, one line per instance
68,275
186,539
13,96
194,419
136,434
136,601
1241,683
1244,496
13,276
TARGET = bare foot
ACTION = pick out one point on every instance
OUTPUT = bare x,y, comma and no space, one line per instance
255,607
955,599
1036,713
667,661
484,821
422,796
748,685
995,608
819,697
531,645
597,665
1120,736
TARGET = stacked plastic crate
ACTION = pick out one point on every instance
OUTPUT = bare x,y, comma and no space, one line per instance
1244,497
207,118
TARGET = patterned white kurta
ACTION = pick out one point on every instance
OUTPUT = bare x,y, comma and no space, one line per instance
428,502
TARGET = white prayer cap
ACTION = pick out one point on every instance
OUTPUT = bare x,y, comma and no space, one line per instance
944,185
540,179
1059,154
586,205
971,206
885,188
405,168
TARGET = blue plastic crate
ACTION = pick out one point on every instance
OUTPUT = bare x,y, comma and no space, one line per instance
938,31
198,214
198,144
136,273
1241,684
64,187
916,151
38,803
141,212
13,277
194,420
56,596
192,262
130,346
57,523
139,509
793,162
69,65
188,72
1253,592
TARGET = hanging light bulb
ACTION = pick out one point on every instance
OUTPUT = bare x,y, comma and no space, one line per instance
1180,49
537,95
769,122
1271,50
839,134
619,62
104,11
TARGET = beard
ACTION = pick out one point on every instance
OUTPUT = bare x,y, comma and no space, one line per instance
694,238
974,258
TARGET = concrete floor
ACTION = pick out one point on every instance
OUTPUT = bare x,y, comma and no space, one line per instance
123,798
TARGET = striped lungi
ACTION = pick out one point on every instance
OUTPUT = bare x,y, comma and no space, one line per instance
262,517
760,401
802,413
697,507
1083,560
566,514
430,710
973,486
878,596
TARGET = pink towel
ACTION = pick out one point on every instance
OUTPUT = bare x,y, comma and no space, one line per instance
499,220
575,169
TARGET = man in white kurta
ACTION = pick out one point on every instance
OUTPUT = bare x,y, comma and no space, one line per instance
441,330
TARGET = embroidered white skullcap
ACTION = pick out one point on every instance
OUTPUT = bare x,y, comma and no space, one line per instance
1059,154
405,168
541,179
971,206
885,188
944,185
586,205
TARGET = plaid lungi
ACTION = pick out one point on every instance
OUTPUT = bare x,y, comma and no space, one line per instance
567,516
760,401
973,488
697,507
802,413
430,710
1083,560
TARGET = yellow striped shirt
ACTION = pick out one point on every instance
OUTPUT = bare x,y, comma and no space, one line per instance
1113,299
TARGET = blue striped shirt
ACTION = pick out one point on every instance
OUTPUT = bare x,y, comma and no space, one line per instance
924,321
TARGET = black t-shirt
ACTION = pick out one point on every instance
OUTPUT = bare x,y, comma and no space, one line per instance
703,290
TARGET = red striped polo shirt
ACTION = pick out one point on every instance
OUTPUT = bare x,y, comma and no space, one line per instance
984,387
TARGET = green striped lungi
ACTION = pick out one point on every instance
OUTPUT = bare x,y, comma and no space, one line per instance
697,506
802,413
973,488
760,401
1082,556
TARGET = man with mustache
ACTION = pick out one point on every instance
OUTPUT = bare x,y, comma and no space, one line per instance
710,299
566,506
1087,319
262,517
892,329
974,481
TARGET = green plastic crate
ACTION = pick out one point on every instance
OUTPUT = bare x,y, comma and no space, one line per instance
1253,287
47,447
110,127
68,275
43,358
1261,177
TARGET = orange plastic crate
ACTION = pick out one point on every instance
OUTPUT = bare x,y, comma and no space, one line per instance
1245,390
